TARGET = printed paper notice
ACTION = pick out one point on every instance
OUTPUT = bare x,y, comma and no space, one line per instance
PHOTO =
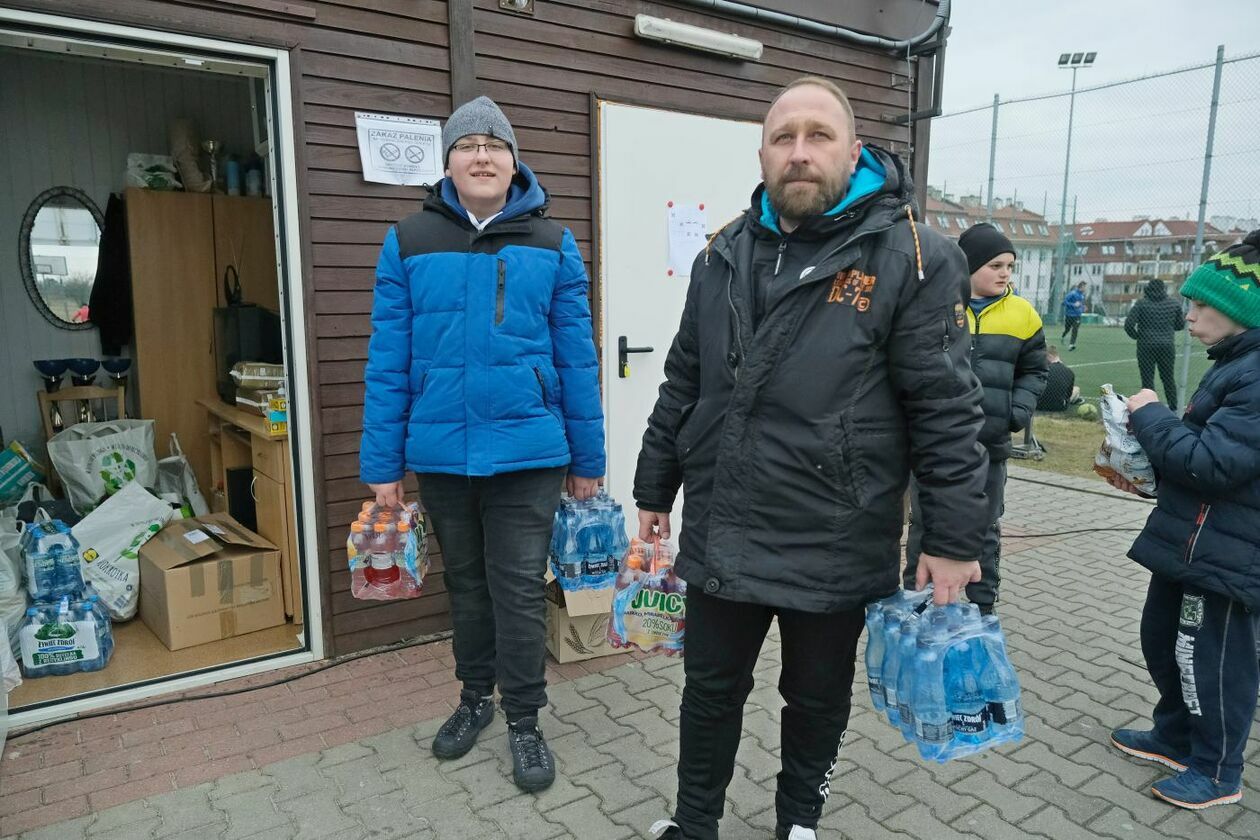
196,537
687,229
403,151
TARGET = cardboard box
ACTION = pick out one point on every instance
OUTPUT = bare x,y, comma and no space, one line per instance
577,623
206,579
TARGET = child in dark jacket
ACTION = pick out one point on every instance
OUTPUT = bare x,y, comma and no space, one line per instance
1202,544
1008,356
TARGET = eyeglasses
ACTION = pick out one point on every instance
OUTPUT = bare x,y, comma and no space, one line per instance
492,147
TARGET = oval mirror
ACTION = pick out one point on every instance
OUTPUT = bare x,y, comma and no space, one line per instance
60,238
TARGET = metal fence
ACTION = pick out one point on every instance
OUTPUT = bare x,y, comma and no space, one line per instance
1111,186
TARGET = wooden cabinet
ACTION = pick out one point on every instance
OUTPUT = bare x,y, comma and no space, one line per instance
239,439
181,245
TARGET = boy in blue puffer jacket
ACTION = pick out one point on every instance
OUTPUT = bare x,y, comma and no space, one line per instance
482,378
1202,545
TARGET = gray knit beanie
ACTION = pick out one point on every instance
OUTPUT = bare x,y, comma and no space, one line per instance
480,116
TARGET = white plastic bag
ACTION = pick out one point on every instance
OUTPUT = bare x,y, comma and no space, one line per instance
175,475
10,674
109,538
1120,453
152,172
13,616
95,460
10,556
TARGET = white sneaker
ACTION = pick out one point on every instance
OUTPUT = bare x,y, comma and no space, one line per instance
799,833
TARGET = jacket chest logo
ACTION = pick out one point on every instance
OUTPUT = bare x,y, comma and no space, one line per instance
854,288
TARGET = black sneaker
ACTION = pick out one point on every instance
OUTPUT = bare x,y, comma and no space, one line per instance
533,768
459,733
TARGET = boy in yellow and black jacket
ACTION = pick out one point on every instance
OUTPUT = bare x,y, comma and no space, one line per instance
1008,356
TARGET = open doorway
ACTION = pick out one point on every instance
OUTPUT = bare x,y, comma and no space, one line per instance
148,304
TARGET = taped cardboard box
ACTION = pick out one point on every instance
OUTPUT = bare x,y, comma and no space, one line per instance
577,623
206,579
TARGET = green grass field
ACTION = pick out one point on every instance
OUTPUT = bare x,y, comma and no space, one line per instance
1106,354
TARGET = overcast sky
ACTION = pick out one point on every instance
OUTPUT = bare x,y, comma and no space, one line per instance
1136,149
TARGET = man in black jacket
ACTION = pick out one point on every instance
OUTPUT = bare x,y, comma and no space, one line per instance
822,354
1152,322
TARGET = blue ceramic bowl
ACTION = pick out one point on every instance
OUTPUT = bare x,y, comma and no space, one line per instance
52,367
116,365
83,367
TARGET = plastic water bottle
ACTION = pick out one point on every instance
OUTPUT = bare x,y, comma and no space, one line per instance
69,577
875,654
383,569
104,628
41,570
999,685
906,674
892,663
932,729
967,709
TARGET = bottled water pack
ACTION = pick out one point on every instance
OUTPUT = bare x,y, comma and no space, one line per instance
941,675
588,540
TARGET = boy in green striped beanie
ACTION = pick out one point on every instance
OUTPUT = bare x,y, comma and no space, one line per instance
1230,282
1201,621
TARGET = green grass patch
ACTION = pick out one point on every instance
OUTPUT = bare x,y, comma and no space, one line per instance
1070,443
1106,354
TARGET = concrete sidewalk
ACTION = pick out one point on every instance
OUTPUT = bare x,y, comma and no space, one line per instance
351,759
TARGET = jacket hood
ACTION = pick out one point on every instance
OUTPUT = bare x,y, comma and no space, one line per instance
880,177
1155,289
525,195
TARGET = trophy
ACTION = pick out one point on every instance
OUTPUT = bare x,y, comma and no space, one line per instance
117,369
83,374
213,147
52,370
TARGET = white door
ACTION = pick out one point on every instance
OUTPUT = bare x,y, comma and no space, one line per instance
649,158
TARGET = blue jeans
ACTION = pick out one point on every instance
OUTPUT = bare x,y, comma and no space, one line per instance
1200,650
494,533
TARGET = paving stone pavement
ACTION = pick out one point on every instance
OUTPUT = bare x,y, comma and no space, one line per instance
1070,607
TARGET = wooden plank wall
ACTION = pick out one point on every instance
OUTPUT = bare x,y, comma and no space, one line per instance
392,56
389,56
542,70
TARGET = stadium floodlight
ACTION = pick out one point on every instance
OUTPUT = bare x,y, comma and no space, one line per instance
1067,61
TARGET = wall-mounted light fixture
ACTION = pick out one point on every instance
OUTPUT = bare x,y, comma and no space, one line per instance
668,31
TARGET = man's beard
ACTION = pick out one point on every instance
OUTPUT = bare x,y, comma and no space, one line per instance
800,200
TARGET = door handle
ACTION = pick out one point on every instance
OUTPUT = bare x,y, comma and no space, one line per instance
623,353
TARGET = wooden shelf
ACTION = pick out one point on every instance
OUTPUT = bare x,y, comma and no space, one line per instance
255,424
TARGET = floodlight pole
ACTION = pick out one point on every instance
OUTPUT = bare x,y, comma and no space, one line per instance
1058,281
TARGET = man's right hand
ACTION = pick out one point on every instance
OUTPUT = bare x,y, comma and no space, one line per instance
388,495
949,577
653,524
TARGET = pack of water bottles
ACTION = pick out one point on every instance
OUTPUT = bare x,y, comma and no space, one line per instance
66,636
649,608
388,553
588,541
50,554
942,675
